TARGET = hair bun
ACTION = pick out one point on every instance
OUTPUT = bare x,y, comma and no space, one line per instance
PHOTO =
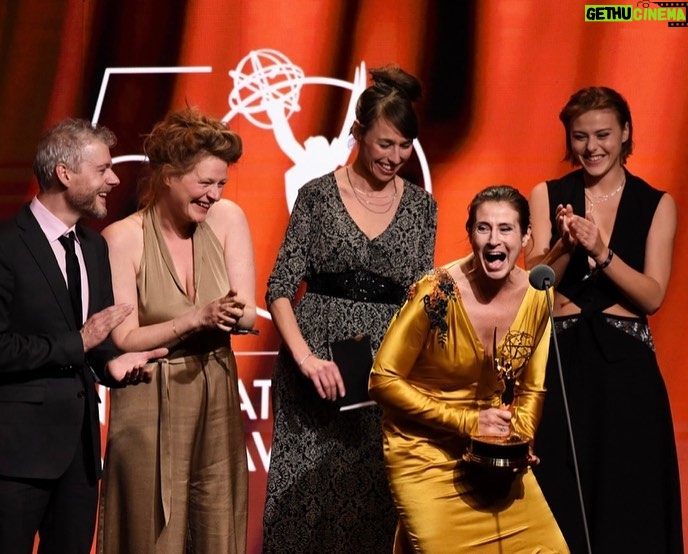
392,77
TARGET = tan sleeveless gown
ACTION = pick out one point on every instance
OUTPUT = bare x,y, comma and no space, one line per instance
176,475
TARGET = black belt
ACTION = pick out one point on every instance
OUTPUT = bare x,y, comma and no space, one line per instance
360,286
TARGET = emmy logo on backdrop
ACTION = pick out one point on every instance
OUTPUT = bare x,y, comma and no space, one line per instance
510,452
267,91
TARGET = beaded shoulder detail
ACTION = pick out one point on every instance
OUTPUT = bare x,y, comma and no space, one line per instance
436,301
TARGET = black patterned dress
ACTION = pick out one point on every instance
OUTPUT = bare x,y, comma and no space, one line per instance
327,489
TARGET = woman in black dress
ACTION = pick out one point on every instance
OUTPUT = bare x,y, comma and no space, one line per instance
609,237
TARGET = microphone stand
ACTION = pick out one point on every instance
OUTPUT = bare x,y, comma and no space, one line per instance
547,284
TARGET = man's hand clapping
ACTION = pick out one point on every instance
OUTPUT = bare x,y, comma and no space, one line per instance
131,369
99,325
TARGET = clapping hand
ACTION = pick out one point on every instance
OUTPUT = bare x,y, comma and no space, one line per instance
585,232
223,313
97,327
564,216
131,368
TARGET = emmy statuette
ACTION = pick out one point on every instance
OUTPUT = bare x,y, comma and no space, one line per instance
510,452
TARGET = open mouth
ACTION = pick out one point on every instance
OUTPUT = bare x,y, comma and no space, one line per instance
495,257
495,261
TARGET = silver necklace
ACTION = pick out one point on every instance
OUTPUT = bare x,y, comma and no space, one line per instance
376,208
593,200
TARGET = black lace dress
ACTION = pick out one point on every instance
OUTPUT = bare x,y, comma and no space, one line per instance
327,489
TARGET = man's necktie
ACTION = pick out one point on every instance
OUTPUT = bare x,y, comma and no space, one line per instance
73,275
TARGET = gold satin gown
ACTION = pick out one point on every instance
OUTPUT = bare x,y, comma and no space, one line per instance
432,377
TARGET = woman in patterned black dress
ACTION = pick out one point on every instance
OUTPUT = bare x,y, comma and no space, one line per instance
362,224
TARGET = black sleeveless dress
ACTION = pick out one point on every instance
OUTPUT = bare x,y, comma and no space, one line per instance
618,402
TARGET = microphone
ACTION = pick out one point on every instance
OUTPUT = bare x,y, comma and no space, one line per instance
542,278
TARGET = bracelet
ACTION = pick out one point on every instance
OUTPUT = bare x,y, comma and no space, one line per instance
176,334
606,262
305,358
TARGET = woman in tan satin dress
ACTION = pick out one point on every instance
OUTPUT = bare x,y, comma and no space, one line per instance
434,377
175,467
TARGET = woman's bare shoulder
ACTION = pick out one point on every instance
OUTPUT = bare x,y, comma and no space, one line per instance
224,207
539,190
127,231
224,216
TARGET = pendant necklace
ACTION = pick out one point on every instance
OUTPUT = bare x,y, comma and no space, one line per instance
375,207
593,200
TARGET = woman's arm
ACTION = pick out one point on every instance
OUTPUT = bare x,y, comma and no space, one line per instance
125,243
284,319
529,393
323,373
396,359
287,275
228,222
646,289
539,251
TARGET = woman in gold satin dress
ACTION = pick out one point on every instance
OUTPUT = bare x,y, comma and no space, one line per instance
176,475
434,377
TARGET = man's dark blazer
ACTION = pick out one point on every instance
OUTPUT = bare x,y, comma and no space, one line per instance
44,373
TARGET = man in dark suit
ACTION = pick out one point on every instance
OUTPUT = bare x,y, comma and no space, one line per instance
50,458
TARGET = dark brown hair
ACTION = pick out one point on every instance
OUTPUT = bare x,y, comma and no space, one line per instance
390,97
500,193
597,98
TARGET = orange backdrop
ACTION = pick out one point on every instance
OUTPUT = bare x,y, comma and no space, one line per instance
495,74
